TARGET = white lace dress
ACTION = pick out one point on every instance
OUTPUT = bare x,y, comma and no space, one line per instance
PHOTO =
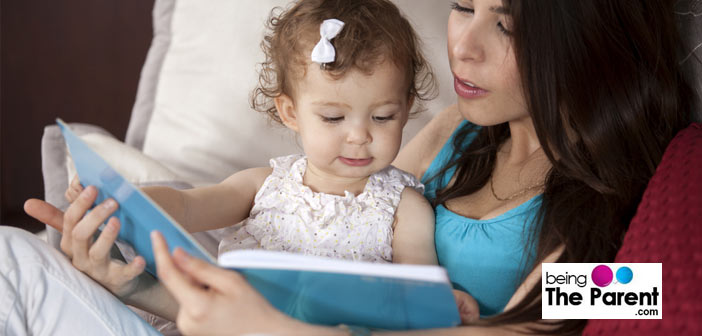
289,216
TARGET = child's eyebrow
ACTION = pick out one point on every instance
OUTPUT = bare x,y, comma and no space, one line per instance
329,103
385,102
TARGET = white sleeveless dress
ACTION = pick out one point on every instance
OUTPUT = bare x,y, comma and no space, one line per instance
289,216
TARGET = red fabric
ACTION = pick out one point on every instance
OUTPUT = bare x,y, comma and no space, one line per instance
667,228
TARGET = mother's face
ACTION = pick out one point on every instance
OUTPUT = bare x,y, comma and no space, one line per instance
486,78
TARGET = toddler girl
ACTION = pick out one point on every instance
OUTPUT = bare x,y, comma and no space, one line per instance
343,75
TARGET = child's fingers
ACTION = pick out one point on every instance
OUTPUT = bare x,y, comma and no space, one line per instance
468,308
74,189
75,183
182,289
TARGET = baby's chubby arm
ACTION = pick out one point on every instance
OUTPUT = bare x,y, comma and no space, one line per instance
212,207
204,208
413,243
413,230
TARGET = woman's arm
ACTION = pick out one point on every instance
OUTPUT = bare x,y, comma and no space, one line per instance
212,299
215,301
417,155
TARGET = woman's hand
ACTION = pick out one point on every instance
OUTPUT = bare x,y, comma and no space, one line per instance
468,308
89,255
215,301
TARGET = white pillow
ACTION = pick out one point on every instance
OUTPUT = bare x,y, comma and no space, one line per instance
131,163
202,126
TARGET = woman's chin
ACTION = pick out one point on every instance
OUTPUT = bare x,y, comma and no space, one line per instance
485,115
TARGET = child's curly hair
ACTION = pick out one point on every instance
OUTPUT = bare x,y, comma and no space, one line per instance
374,31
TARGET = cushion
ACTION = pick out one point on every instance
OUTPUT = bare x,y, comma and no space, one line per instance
666,229
201,70
131,163
53,167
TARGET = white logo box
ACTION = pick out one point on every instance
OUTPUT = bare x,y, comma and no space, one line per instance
568,292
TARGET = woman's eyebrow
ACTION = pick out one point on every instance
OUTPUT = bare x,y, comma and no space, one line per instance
499,10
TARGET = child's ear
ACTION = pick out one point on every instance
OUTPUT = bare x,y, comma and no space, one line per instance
286,111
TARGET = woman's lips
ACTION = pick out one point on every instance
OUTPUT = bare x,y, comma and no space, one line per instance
466,91
355,162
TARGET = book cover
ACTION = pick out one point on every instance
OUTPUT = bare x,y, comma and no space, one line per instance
329,291
312,289
137,213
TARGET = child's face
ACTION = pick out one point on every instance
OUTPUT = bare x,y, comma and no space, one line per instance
350,127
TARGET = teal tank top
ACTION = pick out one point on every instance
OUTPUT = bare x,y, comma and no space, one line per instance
485,258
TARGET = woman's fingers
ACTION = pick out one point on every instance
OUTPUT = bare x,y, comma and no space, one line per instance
205,273
135,267
177,283
82,234
45,213
99,252
73,214
122,273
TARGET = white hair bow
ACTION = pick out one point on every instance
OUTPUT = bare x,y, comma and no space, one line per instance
324,51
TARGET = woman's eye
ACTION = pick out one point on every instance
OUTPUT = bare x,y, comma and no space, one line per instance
384,119
455,6
502,29
332,120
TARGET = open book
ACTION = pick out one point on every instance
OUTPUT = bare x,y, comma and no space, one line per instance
313,289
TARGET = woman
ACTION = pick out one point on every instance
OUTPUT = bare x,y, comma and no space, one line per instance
564,110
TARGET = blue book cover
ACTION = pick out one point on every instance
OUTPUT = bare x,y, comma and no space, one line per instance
311,289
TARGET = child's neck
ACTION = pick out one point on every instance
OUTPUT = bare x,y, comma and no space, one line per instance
322,182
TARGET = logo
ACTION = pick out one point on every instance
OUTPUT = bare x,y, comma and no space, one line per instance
602,275
601,291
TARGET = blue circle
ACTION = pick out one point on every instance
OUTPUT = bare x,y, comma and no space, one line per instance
624,275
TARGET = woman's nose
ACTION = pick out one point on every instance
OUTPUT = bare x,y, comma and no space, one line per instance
469,43
358,135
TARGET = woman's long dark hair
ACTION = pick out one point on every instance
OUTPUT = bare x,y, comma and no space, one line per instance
606,95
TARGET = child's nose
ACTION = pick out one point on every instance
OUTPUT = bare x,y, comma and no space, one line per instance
359,135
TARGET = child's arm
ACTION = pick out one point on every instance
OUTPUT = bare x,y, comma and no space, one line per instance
212,207
204,208
413,243
413,230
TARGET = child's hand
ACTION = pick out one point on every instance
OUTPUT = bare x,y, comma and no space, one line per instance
74,189
467,307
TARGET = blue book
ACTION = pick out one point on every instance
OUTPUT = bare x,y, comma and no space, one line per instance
312,289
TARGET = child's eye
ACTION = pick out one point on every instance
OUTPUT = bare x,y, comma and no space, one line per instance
384,119
332,120
455,6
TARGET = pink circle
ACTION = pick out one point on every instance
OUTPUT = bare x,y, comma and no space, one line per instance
602,275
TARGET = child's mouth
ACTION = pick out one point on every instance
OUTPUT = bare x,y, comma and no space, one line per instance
355,162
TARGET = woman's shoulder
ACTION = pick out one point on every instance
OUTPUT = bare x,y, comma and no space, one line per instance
419,152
